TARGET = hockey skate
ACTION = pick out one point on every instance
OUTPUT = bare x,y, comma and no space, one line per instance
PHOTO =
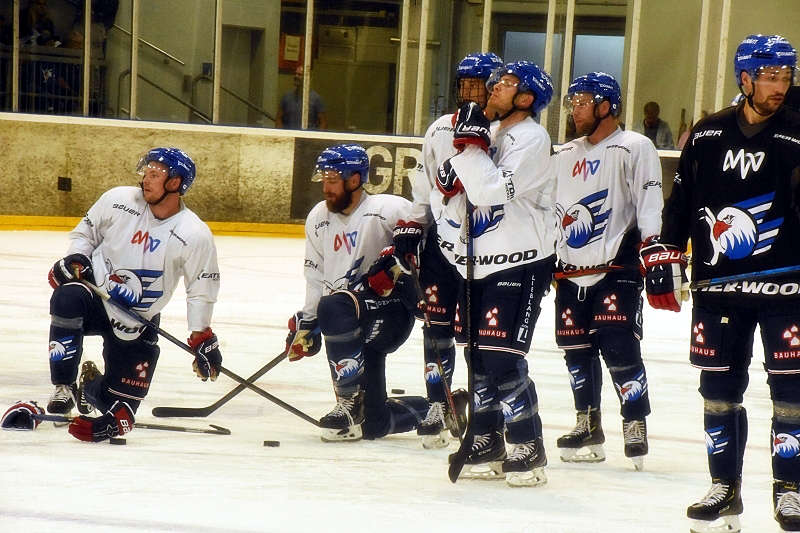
343,423
62,401
485,460
432,430
635,434
89,372
786,501
524,466
584,444
718,511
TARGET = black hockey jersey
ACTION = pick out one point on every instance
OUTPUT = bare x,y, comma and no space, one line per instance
736,197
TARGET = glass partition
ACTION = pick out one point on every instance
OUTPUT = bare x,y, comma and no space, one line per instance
7,23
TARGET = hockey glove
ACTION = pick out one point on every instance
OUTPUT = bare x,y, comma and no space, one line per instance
73,267
118,420
471,127
665,272
386,271
407,239
207,357
447,180
304,338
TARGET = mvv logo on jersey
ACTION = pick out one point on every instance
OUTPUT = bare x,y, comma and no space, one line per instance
585,167
744,160
149,242
348,240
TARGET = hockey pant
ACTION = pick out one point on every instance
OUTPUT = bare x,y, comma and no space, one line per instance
129,365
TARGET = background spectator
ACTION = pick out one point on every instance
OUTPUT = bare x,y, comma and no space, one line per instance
290,111
656,129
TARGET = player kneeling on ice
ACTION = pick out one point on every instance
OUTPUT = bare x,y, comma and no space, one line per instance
135,243
359,295
735,195
604,220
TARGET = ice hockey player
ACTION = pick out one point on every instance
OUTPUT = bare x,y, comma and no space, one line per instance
359,296
736,196
506,174
135,243
608,202
439,280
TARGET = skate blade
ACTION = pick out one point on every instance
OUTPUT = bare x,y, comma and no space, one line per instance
486,471
723,524
638,463
433,442
593,453
353,433
531,478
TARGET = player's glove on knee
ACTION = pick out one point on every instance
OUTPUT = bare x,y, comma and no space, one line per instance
118,420
664,268
207,357
390,274
304,338
73,267
407,239
471,127
447,180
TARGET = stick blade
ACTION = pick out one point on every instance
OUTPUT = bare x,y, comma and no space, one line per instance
170,412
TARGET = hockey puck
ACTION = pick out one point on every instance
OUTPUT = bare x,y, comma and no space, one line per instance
398,391
272,443
114,440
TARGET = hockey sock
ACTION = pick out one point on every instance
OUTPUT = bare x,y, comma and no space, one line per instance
69,304
520,410
726,436
488,415
631,386
445,347
343,344
585,377
402,414
785,442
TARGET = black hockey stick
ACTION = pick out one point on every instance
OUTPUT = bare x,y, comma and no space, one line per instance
423,305
179,343
739,277
217,430
165,412
459,458
565,274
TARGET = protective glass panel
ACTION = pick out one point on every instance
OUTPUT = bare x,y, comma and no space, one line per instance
6,39
115,62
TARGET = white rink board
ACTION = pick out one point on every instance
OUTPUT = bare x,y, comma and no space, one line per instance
165,481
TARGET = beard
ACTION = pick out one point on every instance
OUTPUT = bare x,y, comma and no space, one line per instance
339,203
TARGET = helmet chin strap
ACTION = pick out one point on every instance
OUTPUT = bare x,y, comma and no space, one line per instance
749,98
597,120
498,116
166,192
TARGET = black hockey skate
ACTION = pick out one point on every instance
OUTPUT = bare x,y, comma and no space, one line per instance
718,511
432,430
485,459
344,421
584,444
524,466
786,502
89,373
63,399
635,434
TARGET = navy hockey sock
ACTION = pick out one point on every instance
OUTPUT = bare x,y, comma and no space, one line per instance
343,344
631,386
585,377
400,414
521,411
785,444
726,436
433,379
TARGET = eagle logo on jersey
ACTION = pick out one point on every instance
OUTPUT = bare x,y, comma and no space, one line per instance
632,390
484,219
134,287
786,445
740,230
716,440
583,223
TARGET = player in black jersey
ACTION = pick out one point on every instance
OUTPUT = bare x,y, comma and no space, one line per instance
736,196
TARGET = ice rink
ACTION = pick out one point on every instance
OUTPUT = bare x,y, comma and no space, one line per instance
186,482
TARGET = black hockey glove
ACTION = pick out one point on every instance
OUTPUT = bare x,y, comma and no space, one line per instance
72,268
207,357
117,421
407,239
447,180
471,127
390,276
304,338
664,268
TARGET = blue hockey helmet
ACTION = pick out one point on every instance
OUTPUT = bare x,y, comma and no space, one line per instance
345,159
532,79
178,164
478,65
601,85
758,51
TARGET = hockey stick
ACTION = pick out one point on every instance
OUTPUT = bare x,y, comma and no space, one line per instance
737,277
177,342
423,305
218,430
165,412
564,274
459,458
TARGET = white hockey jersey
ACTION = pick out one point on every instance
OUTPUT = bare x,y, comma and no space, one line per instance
437,147
126,241
602,192
341,248
511,189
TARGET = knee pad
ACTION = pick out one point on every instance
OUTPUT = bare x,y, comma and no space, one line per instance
618,346
338,313
70,301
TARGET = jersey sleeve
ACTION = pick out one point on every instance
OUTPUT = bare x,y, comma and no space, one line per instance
90,231
313,269
677,216
201,279
525,169
422,187
646,188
